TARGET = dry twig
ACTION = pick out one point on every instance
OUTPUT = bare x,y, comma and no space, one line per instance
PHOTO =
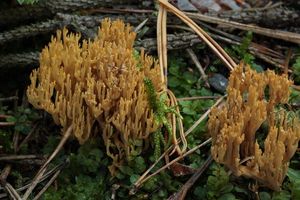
42,170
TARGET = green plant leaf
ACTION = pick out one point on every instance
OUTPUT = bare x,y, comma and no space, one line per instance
282,195
228,196
264,196
134,178
294,175
190,77
173,81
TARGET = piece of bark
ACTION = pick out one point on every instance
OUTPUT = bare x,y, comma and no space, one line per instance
175,41
73,5
274,17
30,30
45,8
15,16
19,60
78,23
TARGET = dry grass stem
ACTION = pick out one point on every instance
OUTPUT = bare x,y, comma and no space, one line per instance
47,185
197,98
278,34
43,168
217,49
198,65
172,162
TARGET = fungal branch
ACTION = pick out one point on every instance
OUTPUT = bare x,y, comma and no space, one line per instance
253,100
99,82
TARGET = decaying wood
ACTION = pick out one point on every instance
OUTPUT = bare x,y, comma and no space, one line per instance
175,41
14,16
278,34
45,8
29,31
87,25
277,17
19,60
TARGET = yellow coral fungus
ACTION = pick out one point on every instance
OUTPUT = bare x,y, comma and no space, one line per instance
99,81
253,99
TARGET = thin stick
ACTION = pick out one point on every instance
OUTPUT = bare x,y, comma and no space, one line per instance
185,188
161,41
45,176
140,26
202,34
4,174
283,35
173,161
12,192
25,140
180,123
40,173
197,98
2,116
7,123
47,185
203,116
18,157
198,65
9,98
296,87
287,61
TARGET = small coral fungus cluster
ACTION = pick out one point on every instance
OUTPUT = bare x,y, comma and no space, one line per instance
254,99
98,82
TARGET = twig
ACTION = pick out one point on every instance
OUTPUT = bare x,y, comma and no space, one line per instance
258,50
7,123
198,65
174,103
197,98
234,39
173,161
40,173
278,34
217,49
12,192
45,176
140,26
163,61
287,61
47,185
268,59
18,157
8,98
2,116
4,173
203,116
162,42
185,188
25,140
296,87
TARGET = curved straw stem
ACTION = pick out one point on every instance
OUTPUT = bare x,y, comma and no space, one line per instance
219,51
162,42
179,121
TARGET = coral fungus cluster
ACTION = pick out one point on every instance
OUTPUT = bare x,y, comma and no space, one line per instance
98,82
254,101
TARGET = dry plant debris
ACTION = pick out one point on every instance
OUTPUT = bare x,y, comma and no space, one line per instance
98,82
253,99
